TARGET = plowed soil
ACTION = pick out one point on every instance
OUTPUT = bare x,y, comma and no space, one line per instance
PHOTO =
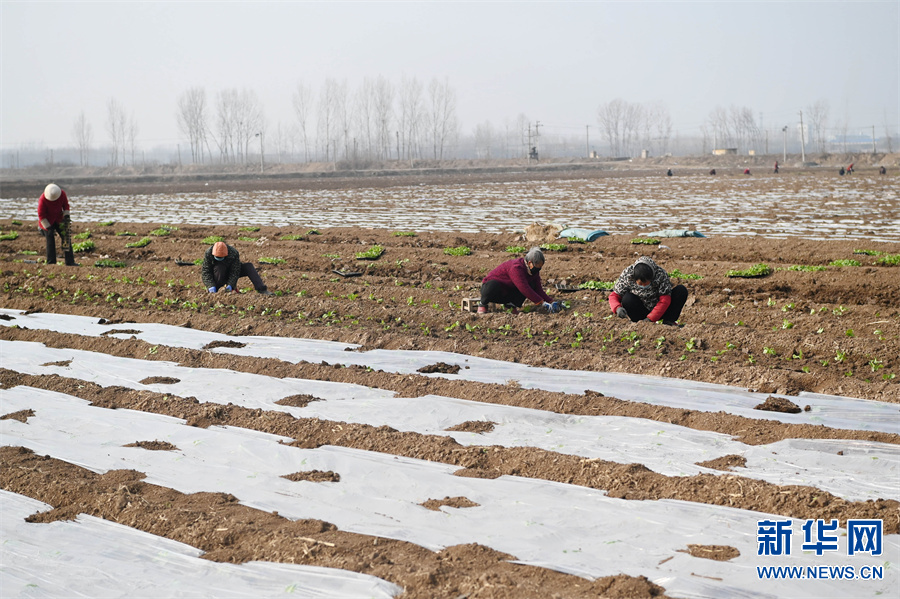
835,330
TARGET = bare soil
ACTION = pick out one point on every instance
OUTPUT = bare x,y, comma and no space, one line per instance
833,331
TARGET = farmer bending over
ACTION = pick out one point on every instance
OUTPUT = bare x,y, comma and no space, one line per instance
222,268
644,292
53,208
514,281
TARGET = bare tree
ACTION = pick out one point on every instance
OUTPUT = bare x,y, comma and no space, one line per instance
631,126
817,114
192,120
116,123
442,123
411,114
131,132
83,134
484,140
611,118
364,114
302,101
383,113
239,119
660,126
328,121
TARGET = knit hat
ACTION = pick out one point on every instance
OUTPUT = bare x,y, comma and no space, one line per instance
220,250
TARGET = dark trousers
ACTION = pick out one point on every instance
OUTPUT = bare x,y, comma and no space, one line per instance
498,293
637,311
222,270
50,237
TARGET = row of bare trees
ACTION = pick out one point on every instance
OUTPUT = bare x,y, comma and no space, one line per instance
378,120
629,127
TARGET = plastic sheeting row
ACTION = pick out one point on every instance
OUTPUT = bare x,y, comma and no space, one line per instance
863,470
828,410
565,527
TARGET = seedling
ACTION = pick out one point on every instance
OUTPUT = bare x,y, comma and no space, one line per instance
404,233
107,223
850,333
755,271
677,274
692,344
600,285
789,306
107,263
875,364
840,356
9,236
867,252
645,241
313,232
292,237
17,223
145,241
249,229
770,351
845,263
34,253
554,247
265,260
458,251
806,268
785,324
84,246
212,239
161,232
85,235
516,249
889,260
126,234
373,253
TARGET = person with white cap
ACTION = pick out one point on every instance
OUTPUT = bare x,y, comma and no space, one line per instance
53,210
222,267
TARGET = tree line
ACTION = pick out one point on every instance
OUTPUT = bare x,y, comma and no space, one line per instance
383,120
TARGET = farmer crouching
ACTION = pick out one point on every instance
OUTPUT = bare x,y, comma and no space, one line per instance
515,280
222,267
53,208
644,292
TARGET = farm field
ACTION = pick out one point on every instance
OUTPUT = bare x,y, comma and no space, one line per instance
363,436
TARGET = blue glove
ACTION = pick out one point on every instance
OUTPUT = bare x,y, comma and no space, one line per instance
547,306
555,307
212,290
227,287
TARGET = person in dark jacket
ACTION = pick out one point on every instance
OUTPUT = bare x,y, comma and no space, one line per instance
644,292
222,267
53,210
514,281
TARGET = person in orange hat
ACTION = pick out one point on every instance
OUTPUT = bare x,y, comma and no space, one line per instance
53,209
222,267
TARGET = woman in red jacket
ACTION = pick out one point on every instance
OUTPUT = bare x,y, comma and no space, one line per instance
515,280
53,208
644,292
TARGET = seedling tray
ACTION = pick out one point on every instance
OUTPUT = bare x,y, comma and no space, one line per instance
346,273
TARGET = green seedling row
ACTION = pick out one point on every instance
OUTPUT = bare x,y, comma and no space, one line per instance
213,239
645,241
757,270
265,260
144,241
84,246
458,251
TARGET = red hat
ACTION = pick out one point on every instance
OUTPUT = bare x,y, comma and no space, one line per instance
220,250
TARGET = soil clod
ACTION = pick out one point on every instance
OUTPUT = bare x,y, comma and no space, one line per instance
778,404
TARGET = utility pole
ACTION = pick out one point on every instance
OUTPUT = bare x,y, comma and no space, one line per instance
802,139
873,139
261,165
784,142
767,142
587,140
537,136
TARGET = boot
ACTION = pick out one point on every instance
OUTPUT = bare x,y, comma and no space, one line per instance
70,258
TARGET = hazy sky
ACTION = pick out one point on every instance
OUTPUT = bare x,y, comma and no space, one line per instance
553,61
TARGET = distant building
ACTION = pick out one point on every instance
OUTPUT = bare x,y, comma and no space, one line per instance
724,151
